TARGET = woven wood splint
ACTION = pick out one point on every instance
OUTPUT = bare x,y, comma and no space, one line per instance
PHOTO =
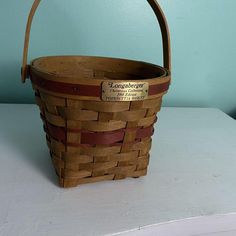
94,134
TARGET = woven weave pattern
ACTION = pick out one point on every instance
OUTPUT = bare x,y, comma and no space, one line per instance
91,141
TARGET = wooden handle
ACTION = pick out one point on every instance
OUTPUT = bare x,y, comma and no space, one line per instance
156,8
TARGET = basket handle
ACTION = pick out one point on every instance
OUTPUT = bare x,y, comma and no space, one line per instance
157,10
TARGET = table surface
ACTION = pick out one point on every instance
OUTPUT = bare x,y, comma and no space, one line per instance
192,173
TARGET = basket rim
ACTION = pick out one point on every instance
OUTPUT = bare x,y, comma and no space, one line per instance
74,79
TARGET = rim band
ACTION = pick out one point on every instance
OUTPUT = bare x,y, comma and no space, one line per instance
86,90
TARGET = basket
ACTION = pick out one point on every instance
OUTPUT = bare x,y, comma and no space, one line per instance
98,113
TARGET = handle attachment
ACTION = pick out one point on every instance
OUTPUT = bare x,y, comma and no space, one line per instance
157,10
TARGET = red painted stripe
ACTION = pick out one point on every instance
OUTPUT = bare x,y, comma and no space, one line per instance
66,88
85,90
97,138
158,88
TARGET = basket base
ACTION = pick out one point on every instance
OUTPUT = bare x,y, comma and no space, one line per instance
70,183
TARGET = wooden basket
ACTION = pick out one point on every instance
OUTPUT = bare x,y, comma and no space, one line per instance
98,113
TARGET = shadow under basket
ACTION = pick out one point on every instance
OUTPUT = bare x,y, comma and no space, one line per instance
93,134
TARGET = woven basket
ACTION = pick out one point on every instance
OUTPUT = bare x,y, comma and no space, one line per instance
98,113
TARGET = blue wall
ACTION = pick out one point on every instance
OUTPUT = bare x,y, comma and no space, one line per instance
203,43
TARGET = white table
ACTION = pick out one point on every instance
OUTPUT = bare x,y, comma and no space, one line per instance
192,173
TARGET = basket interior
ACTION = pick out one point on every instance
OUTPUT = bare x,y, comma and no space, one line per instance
97,67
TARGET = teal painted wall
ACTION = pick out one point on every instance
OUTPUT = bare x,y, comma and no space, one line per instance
203,43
